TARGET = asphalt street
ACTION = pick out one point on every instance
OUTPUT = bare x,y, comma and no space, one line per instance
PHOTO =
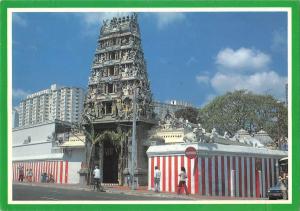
36,193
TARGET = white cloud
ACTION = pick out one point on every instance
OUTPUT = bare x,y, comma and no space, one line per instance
202,79
93,20
244,69
19,94
260,83
18,19
191,61
279,41
243,59
166,18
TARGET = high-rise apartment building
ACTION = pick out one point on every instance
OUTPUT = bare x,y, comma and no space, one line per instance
15,118
61,103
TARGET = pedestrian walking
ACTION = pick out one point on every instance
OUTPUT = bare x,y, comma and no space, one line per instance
182,181
29,175
44,177
157,179
21,173
26,175
97,182
50,179
128,178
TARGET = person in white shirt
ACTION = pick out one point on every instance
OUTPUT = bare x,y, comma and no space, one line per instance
182,181
97,182
156,179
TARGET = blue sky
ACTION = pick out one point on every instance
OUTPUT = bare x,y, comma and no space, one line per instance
190,56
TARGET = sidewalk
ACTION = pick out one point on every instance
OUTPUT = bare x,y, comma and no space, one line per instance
141,191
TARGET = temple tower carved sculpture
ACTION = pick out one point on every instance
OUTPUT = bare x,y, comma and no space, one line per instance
118,70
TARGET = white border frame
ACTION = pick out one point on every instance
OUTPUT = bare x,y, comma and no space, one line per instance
55,10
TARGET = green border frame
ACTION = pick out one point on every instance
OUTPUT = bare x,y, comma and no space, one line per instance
295,8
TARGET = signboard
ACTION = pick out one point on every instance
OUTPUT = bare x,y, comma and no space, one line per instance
191,152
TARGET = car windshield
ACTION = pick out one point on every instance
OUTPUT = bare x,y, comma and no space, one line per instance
279,185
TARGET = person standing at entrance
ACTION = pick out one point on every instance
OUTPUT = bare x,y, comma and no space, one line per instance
97,182
29,175
157,179
182,181
21,173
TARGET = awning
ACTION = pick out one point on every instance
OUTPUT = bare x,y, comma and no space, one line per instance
283,159
52,156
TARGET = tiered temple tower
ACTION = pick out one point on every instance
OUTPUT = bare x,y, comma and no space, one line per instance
118,71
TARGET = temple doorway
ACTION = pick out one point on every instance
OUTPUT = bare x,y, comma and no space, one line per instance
110,163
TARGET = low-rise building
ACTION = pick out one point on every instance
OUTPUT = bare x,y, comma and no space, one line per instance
170,107
218,170
47,148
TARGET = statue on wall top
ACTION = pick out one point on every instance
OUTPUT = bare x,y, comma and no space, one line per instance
99,110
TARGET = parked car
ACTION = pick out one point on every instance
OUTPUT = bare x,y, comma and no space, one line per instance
278,191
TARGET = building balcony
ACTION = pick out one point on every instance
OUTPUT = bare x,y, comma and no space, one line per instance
128,77
108,49
103,37
108,34
105,63
109,78
109,96
116,47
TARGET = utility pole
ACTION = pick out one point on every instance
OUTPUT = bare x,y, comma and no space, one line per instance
133,141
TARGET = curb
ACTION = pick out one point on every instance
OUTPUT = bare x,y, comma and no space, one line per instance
54,186
129,192
145,194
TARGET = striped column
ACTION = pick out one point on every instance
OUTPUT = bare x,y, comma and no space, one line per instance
149,171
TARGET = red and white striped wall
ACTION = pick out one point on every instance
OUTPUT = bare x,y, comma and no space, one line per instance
58,168
217,175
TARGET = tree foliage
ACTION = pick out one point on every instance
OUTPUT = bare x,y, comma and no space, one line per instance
94,138
188,113
243,109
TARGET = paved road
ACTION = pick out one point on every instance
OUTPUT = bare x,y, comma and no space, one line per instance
36,193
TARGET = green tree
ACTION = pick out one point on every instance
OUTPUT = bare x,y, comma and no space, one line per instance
188,113
93,138
243,109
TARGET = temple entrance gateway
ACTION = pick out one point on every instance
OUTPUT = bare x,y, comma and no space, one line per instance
110,163
118,81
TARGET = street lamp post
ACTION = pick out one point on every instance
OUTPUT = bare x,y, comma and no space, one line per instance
133,142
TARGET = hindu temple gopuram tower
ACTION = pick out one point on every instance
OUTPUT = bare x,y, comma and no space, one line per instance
119,70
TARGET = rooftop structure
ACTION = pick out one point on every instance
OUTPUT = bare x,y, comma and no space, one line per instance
170,107
118,69
171,130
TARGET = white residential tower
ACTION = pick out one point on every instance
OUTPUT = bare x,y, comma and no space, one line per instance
61,103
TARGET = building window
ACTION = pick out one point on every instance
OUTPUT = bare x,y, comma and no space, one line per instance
108,107
111,71
110,88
